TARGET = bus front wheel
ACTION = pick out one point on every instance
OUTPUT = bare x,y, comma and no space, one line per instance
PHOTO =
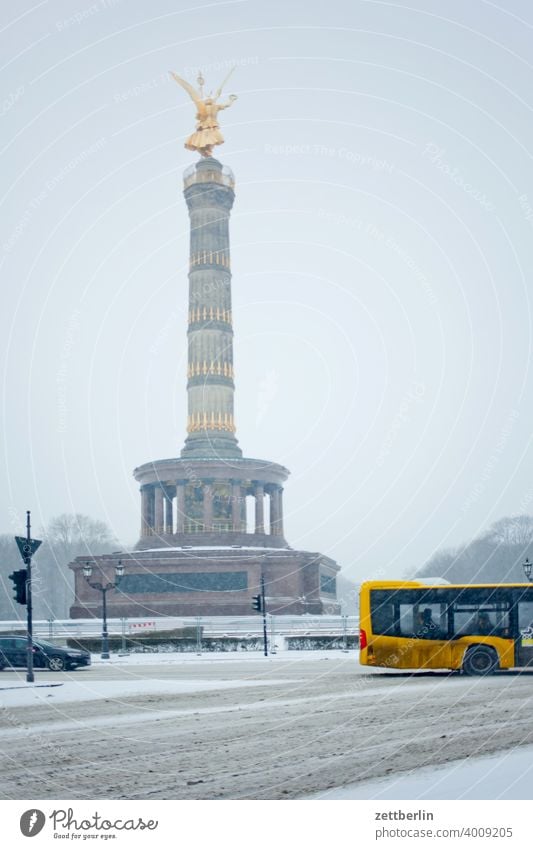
480,660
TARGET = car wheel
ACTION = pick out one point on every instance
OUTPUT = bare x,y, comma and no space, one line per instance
56,664
481,660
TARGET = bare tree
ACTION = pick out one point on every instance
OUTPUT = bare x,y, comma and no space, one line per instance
439,565
512,530
493,557
347,595
76,531
65,537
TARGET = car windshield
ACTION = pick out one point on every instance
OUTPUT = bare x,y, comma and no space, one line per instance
46,645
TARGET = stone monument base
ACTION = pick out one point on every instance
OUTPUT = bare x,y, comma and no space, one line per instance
208,581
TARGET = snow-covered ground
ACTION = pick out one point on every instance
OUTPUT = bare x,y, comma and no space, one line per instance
19,694
237,725
165,658
505,775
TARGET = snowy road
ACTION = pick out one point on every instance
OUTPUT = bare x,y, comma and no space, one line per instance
505,775
236,727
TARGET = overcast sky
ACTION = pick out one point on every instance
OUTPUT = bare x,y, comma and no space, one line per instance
381,254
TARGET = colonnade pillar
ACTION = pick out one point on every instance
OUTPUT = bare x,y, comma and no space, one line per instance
276,511
145,510
273,510
280,511
158,510
168,513
259,495
208,505
236,495
180,507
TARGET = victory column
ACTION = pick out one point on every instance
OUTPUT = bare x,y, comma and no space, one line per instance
199,552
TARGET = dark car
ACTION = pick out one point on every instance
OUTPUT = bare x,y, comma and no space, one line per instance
45,655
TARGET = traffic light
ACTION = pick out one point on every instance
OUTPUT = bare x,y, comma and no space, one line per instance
19,581
256,603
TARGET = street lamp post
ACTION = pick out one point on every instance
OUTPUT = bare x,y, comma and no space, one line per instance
527,567
123,649
96,585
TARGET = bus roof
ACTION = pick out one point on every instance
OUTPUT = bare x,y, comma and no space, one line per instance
414,584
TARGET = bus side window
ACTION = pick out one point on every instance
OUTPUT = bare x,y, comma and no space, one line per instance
502,625
431,623
525,619
481,620
464,619
383,619
423,621
406,620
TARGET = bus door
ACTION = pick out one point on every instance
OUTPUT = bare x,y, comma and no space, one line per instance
524,643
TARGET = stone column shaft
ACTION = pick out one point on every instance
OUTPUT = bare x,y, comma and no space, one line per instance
259,494
158,513
280,511
208,506
275,511
145,511
151,510
180,507
272,497
168,513
236,496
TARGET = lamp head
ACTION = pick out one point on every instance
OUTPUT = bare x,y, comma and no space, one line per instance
527,567
119,569
87,570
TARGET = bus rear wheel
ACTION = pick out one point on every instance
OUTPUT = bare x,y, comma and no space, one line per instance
480,660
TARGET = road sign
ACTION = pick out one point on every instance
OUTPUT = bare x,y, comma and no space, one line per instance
27,547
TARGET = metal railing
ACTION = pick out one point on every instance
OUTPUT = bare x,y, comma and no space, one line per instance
222,626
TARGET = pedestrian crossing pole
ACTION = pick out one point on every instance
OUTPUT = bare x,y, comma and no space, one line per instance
27,547
29,607
263,608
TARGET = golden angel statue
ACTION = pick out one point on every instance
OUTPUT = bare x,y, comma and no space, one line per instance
207,133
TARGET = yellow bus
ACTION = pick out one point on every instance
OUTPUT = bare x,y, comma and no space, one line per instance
477,628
